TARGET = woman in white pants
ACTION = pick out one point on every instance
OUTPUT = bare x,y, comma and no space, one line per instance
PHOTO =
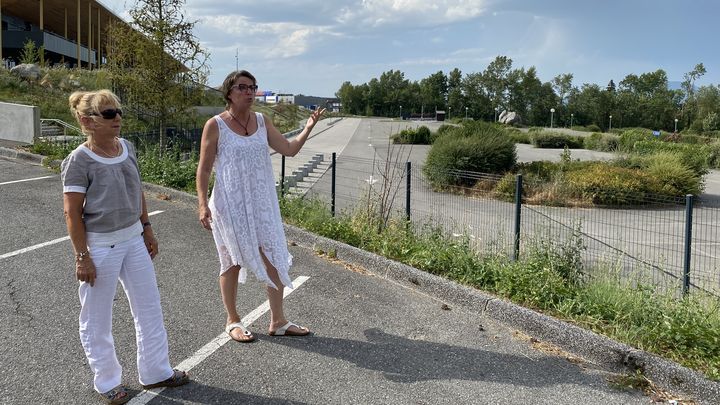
113,240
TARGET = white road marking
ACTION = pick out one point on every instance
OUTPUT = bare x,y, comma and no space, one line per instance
204,352
48,243
20,181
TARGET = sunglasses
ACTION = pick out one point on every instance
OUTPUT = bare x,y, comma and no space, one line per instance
243,87
109,114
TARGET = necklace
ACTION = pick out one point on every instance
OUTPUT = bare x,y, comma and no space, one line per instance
247,121
94,146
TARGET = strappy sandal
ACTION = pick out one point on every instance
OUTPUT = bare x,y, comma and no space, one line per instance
285,330
177,379
117,395
245,332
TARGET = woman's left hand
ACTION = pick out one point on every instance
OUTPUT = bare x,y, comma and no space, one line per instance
314,118
150,242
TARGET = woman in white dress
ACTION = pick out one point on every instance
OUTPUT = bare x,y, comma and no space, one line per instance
243,212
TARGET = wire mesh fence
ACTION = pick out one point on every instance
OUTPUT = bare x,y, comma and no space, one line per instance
668,243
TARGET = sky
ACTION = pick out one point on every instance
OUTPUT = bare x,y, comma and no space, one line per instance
311,47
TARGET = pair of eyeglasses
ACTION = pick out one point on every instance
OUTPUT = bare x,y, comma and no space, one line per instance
110,113
243,87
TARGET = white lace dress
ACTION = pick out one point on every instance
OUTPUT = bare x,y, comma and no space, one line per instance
244,206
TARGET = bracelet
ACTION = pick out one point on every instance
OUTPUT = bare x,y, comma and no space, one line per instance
81,255
145,224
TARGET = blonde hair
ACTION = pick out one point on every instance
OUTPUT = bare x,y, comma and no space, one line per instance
88,103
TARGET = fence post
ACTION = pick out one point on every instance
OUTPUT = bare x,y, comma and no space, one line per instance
408,181
689,199
332,186
518,206
282,176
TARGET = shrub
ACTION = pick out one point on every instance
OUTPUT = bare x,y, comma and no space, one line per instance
673,178
695,157
593,128
604,184
476,147
601,142
556,140
628,138
418,136
520,137
711,122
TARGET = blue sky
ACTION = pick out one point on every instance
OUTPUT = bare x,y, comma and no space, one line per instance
312,46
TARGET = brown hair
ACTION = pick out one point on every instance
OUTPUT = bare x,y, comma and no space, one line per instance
87,103
229,81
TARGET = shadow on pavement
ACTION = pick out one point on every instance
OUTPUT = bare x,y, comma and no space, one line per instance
406,361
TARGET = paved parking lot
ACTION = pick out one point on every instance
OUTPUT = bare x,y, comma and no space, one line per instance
375,341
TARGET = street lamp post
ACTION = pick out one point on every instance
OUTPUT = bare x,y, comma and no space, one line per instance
496,111
610,126
571,119
449,111
552,113
676,120
400,113
466,109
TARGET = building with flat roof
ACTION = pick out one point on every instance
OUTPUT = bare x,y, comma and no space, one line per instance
72,32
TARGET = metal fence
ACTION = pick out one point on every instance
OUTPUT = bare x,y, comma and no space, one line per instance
668,243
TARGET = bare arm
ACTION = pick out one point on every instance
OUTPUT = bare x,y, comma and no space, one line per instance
208,152
148,234
291,147
73,210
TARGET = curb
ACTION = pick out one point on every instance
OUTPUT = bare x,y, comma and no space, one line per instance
600,350
25,156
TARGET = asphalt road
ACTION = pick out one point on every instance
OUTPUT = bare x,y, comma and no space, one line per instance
374,342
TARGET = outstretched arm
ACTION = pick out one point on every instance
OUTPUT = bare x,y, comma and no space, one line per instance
291,147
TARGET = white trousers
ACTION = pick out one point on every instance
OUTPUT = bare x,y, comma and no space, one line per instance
129,262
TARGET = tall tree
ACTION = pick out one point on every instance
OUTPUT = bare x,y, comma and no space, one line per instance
455,95
156,62
689,106
495,81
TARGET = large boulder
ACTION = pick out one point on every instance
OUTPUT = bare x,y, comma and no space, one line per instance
27,71
509,117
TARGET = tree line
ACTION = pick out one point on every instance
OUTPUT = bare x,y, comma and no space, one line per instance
643,100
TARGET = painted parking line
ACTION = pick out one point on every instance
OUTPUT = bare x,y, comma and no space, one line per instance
20,181
48,243
186,365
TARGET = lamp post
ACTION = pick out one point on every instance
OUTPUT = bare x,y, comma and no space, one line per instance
449,111
676,120
466,109
552,113
610,126
571,119
496,111
400,113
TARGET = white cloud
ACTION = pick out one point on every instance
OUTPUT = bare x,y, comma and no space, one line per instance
265,40
376,13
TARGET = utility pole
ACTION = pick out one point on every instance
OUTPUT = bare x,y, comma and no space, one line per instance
237,66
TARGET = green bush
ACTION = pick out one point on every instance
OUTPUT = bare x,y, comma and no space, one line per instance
604,184
601,142
628,138
520,137
169,169
556,140
695,157
593,128
476,147
418,136
673,178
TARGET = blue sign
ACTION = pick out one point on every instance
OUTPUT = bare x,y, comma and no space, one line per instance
656,133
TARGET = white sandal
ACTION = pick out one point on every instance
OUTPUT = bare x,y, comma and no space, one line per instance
239,325
283,330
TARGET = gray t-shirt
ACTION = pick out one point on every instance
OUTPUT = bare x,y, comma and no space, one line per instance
112,188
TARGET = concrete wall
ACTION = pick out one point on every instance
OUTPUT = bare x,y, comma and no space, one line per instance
20,123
